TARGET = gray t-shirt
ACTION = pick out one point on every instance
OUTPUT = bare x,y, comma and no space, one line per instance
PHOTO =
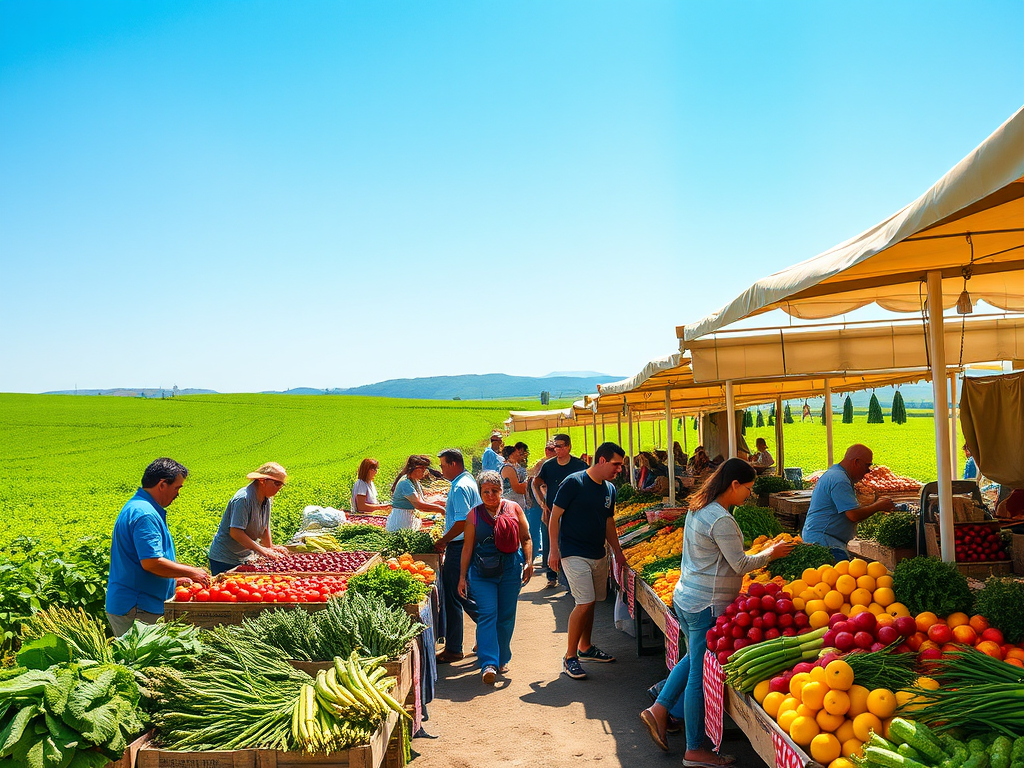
242,512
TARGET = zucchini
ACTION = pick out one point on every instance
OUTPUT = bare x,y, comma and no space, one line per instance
976,760
999,752
876,740
1017,753
976,745
908,751
949,743
889,759
919,737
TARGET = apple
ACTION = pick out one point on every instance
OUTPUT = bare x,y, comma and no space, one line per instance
756,590
864,621
905,625
844,641
887,634
863,639
940,633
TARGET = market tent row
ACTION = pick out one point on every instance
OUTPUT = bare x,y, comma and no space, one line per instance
963,238
580,414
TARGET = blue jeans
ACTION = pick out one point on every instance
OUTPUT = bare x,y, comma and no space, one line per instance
533,515
496,601
216,566
839,553
686,680
454,604
545,548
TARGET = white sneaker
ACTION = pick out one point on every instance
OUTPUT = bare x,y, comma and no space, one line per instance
489,675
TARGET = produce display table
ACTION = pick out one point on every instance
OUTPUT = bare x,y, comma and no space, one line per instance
128,758
369,755
872,550
790,508
774,746
207,615
400,669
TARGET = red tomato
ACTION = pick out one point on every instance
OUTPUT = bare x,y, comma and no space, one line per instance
195,586
182,594
256,597
202,595
242,593
232,598
216,596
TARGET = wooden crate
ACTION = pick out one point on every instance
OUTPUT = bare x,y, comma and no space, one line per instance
872,550
979,571
790,508
207,615
414,609
128,758
369,755
400,669
433,559
647,599
758,728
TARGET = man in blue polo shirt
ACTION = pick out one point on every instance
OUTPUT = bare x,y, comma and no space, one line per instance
463,495
834,511
143,572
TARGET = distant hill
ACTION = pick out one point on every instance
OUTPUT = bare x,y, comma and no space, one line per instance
131,392
489,386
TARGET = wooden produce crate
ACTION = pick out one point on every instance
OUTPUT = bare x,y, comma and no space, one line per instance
400,669
790,508
759,727
374,559
433,559
647,599
128,758
207,615
872,550
414,609
369,755
979,571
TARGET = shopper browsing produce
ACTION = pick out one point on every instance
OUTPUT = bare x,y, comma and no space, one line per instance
711,574
546,484
245,525
513,473
364,492
834,512
497,559
492,458
407,495
143,571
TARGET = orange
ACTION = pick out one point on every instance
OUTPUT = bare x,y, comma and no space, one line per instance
819,618
853,747
858,567
821,589
979,623
990,648
825,748
804,711
761,690
876,609
858,701
836,702
810,576
845,584
803,730
925,620
813,695
1014,661
842,567
840,675
964,634
789,704
797,586
772,702
828,722
845,609
861,596
845,732
818,675
897,609
786,719
799,603
813,606
884,596
1015,653
855,609
883,581
864,724
928,683
884,619
877,570
866,582
881,703
833,600
829,575
957,619
796,684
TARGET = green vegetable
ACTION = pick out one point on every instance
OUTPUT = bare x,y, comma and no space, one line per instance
1002,603
926,584
999,752
172,644
908,751
407,540
771,484
396,587
884,668
887,759
802,557
748,666
756,521
84,635
896,529
976,760
653,571
919,737
1017,753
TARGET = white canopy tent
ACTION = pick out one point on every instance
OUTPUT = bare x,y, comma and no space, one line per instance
966,233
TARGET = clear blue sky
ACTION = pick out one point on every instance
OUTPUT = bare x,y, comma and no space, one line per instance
260,195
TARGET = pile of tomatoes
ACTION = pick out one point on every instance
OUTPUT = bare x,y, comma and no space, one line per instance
264,588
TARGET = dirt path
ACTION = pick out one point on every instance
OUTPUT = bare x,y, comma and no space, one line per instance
536,716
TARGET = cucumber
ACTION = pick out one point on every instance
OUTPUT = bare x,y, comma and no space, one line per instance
908,751
999,752
1017,753
919,737
976,760
889,759
976,745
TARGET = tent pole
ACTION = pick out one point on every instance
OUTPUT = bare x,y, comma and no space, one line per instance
686,448
547,434
780,448
585,448
730,408
700,428
937,363
671,451
595,436
632,462
828,422
953,418
618,422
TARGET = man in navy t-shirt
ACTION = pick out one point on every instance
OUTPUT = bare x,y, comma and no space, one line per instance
582,522
547,482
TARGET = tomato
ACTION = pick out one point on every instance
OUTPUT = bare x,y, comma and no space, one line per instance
232,598
216,596
231,587
242,594
202,595
182,594
195,586
256,597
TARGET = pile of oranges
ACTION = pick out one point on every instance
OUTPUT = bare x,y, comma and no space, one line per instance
849,587
418,569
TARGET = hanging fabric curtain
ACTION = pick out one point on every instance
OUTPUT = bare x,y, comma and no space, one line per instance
992,416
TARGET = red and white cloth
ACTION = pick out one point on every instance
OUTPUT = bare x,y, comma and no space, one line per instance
714,699
671,639
631,592
785,755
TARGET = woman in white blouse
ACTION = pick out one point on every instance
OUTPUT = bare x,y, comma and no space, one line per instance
364,492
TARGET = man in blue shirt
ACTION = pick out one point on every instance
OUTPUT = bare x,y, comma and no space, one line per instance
492,459
143,572
462,497
582,523
970,466
834,512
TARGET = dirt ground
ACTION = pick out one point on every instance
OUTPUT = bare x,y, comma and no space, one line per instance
536,716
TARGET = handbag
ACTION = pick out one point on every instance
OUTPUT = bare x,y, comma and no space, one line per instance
488,566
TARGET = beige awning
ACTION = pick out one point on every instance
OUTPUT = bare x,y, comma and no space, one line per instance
859,347
524,421
981,197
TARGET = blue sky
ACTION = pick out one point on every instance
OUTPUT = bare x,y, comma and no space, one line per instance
261,195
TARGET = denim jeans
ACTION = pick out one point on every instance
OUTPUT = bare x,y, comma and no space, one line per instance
839,553
217,567
496,601
533,515
545,548
686,680
454,604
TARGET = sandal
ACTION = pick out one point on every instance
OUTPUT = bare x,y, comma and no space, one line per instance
651,722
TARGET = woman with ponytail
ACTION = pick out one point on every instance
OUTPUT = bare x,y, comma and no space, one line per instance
712,569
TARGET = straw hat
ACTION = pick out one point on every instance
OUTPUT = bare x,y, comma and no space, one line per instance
270,471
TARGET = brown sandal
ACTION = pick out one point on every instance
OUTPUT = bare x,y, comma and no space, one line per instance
651,722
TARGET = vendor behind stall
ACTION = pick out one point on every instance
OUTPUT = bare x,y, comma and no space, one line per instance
245,525
407,495
834,512
762,460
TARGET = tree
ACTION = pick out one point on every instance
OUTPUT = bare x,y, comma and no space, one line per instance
875,411
848,411
823,412
771,417
748,419
898,412
787,415
760,418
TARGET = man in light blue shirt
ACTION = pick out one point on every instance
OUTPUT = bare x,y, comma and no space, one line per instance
462,497
492,458
143,571
834,512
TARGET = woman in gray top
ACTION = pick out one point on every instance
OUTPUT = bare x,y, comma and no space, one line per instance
712,569
245,525
513,473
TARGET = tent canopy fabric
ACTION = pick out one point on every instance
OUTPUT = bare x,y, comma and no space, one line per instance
860,347
976,208
987,401
524,421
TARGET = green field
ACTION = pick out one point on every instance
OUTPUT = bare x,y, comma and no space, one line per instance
70,463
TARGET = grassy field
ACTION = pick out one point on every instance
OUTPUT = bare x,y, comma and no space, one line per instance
70,463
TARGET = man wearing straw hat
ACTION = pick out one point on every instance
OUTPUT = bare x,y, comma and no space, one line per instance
245,525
